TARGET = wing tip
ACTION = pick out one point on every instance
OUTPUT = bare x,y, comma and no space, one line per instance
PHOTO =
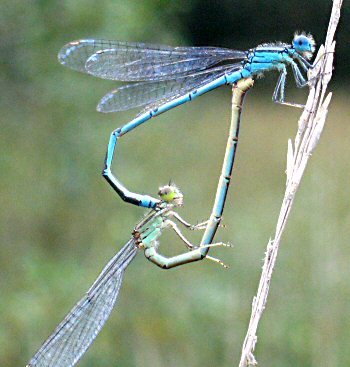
66,55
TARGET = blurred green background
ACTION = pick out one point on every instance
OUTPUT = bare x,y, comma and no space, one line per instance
60,221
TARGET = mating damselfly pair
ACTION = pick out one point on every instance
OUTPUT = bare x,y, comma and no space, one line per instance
163,77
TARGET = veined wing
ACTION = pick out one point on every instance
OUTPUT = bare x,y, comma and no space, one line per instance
151,93
74,335
131,61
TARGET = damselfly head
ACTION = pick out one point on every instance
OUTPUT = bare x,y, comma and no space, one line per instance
171,194
304,44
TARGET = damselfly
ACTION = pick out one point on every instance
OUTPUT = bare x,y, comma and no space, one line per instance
165,77
74,335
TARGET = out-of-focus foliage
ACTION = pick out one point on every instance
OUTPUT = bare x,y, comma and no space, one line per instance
60,222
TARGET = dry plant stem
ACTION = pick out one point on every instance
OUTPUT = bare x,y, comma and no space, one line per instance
310,126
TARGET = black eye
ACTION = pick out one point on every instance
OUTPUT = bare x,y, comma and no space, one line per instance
300,42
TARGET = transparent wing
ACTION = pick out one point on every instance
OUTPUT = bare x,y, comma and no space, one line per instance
74,335
155,92
130,61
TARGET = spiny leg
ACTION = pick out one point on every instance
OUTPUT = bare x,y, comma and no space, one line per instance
183,221
218,261
194,227
278,94
298,76
307,66
304,63
176,229
188,244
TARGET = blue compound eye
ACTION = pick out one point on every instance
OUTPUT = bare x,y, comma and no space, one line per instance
304,44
